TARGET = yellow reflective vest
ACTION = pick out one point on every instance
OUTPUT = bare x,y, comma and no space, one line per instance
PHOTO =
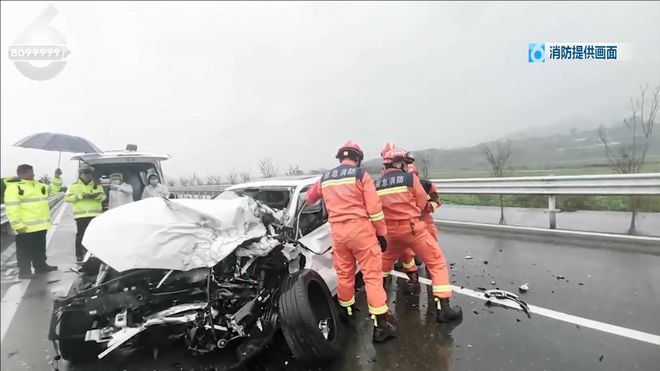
85,207
26,203
56,184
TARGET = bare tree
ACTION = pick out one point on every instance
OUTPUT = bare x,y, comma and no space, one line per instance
214,179
294,170
191,180
245,176
629,157
267,168
498,156
424,161
184,180
232,176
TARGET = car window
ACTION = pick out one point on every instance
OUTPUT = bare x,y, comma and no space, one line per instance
275,198
134,174
312,216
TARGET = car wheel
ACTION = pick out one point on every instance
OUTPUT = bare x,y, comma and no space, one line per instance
71,339
308,318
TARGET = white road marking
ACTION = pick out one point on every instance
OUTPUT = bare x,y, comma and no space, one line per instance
12,299
565,317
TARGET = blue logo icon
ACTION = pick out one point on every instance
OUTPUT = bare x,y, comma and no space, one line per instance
536,52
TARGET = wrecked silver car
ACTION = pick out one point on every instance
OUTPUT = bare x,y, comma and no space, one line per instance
203,272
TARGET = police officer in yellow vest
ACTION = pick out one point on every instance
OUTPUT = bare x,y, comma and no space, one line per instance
56,183
86,197
26,202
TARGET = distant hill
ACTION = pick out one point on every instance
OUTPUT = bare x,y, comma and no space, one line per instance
535,148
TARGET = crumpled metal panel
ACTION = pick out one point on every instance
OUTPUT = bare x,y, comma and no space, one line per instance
158,233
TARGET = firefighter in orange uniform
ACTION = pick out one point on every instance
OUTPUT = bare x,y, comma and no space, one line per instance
433,202
407,258
403,197
433,199
358,232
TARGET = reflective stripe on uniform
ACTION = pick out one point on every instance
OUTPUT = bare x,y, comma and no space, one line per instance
409,264
336,182
36,222
386,274
377,216
26,201
347,303
95,211
387,191
441,288
378,310
434,205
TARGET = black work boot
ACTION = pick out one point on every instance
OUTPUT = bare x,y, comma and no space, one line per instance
446,313
412,285
347,315
385,327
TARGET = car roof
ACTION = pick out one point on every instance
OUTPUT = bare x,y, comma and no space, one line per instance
286,181
120,156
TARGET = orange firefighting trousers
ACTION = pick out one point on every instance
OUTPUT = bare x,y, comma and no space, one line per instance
414,234
408,257
355,240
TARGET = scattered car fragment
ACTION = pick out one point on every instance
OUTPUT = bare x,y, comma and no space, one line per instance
505,295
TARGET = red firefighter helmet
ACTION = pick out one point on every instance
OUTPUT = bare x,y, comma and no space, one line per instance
386,148
350,148
395,155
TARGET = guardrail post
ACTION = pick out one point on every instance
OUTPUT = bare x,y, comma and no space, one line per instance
552,203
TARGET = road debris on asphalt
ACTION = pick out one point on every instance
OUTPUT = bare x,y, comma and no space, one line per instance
505,295
524,287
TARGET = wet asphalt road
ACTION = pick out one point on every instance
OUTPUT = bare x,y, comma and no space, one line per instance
610,285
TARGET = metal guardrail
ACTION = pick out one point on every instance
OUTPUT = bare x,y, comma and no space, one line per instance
605,185
551,186
52,201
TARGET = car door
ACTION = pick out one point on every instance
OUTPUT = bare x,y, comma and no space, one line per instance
317,238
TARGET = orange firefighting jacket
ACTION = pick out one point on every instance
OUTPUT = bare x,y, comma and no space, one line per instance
402,195
349,193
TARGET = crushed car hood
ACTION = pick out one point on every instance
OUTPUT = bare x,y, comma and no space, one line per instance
157,233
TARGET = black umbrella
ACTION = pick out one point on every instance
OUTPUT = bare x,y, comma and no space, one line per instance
58,143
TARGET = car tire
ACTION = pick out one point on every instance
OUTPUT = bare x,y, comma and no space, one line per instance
71,337
304,303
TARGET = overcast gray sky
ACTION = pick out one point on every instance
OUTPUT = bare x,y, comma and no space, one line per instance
220,85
